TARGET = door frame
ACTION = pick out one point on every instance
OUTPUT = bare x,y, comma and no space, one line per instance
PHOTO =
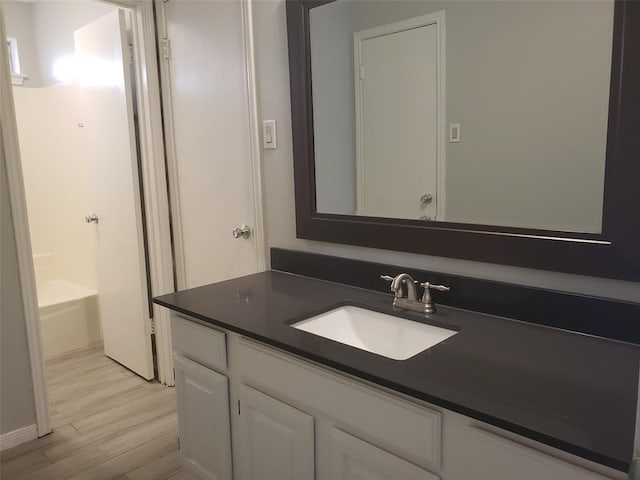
156,200
254,137
437,19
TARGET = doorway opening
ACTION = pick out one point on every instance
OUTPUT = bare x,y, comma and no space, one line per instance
76,119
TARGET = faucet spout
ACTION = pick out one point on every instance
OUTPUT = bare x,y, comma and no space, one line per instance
404,278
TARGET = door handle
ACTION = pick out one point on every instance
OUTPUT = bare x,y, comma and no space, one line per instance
242,232
93,218
426,199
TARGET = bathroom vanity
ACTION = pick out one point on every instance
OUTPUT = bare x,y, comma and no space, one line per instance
499,399
534,384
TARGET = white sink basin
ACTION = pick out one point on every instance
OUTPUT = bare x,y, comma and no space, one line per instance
386,335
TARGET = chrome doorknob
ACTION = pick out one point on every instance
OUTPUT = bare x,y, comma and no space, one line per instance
243,232
93,218
426,199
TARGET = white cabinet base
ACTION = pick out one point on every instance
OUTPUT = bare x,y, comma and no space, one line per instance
296,420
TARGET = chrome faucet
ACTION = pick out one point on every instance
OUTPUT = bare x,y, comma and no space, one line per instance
411,302
398,281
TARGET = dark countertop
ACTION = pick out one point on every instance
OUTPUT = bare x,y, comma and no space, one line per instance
571,391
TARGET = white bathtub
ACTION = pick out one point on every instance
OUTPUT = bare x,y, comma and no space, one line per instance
68,317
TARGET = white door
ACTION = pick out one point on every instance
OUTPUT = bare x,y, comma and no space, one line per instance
277,440
397,121
107,112
203,420
353,459
212,175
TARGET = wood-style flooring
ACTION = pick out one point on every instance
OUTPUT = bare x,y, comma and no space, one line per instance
107,422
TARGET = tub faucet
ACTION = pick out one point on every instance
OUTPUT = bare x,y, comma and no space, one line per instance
411,302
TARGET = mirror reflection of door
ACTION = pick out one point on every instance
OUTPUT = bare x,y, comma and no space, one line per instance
397,72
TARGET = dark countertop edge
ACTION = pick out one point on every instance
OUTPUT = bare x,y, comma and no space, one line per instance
441,402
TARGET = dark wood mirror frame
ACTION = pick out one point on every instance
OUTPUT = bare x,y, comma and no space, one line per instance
615,253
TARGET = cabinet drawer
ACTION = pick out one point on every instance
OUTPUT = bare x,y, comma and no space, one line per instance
488,456
203,345
398,426
352,458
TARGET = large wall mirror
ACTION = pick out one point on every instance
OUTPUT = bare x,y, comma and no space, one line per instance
500,131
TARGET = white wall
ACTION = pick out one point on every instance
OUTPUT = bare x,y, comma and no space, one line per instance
530,92
56,183
54,22
273,90
19,25
17,409
52,154
44,30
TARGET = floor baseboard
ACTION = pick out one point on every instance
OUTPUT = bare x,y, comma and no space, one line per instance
16,437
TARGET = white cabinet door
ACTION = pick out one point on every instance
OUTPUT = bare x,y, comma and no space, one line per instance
277,440
203,420
487,456
353,459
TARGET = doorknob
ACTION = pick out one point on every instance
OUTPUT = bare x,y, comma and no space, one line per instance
426,199
93,218
244,231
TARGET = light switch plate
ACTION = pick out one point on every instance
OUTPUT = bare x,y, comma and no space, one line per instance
269,134
454,133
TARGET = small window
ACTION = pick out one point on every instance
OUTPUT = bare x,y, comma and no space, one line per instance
14,61
17,77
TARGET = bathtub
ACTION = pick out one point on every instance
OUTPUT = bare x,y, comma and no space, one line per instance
68,317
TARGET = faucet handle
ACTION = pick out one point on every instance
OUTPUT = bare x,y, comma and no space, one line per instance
426,296
428,285
388,278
